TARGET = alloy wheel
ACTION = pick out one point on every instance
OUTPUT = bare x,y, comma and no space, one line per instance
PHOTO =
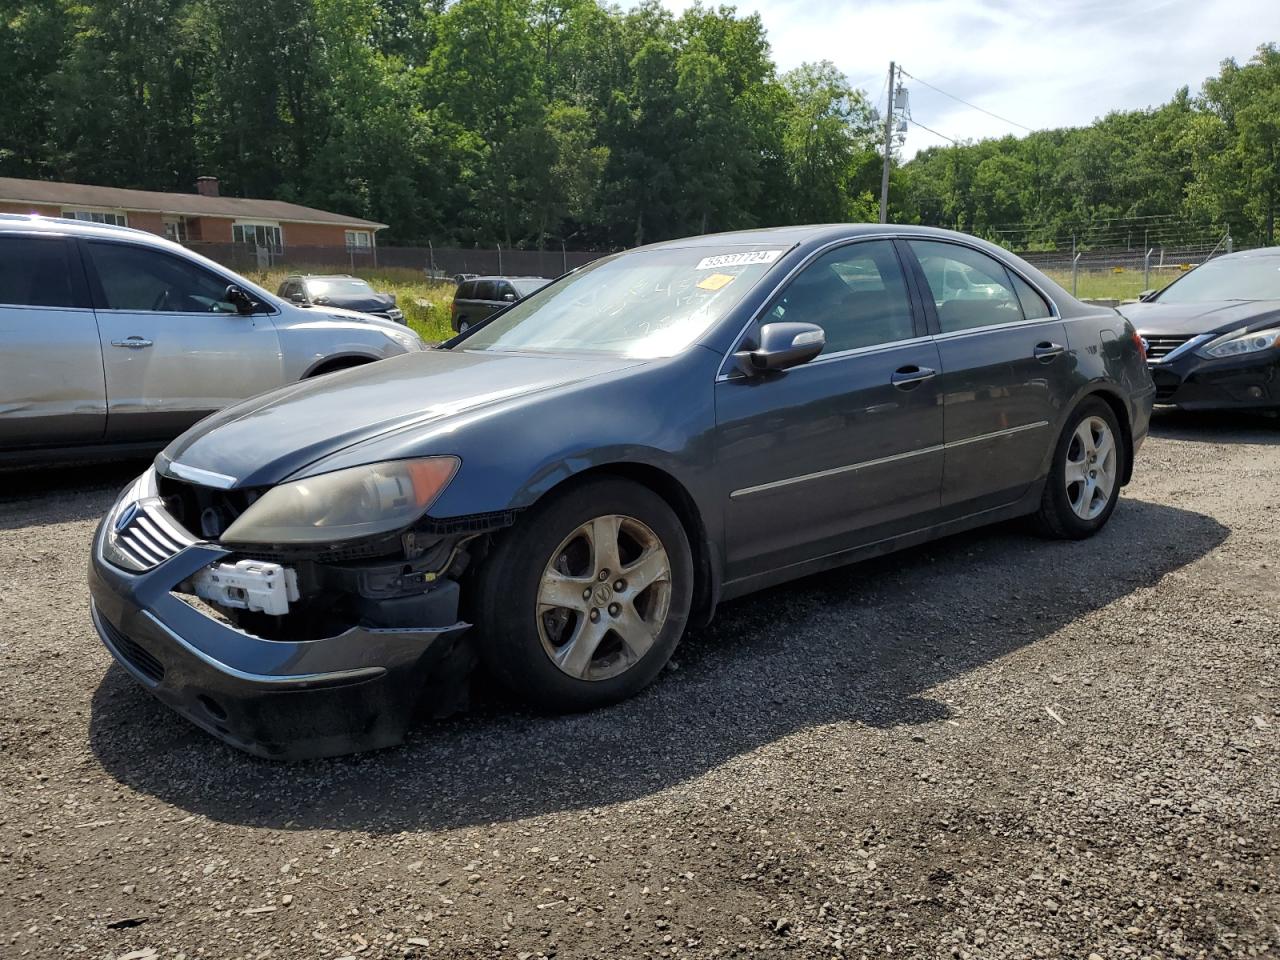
604,597
1090,474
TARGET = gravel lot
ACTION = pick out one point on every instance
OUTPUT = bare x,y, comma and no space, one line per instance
993,746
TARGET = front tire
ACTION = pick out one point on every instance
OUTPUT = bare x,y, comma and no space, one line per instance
583,602
1083,485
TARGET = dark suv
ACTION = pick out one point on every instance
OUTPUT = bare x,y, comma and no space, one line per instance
480,298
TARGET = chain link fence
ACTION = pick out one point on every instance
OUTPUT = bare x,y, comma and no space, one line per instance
1120,274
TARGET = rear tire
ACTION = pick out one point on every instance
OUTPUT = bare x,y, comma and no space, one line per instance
1083,485
552,623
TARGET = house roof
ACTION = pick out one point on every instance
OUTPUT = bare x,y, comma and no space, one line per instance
183,204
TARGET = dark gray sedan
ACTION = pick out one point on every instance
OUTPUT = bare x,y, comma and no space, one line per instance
560,492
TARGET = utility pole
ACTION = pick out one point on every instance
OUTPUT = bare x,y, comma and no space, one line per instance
888,149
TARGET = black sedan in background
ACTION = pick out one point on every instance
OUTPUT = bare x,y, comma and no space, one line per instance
347,292
1213,335
558,493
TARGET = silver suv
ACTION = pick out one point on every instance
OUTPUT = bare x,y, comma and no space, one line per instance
112,338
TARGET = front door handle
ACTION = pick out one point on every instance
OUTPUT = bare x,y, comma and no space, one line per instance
910,377
1046,351
132,343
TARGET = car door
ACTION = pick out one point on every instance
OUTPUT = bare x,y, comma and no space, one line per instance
174,350
52,390
1006,365
846,449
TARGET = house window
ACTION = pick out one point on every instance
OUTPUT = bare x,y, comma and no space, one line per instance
115,217
264,235
175,230
359,240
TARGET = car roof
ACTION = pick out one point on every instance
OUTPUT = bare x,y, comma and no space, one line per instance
502,277
64,226
1247,254
322,276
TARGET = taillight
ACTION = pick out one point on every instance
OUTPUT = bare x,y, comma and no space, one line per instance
453,308
1141,345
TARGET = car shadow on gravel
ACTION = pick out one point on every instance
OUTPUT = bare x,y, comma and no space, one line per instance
1216,426
861,645
64,493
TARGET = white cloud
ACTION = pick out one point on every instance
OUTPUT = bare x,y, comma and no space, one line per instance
1045,64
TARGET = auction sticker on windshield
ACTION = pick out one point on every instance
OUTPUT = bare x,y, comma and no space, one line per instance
738,259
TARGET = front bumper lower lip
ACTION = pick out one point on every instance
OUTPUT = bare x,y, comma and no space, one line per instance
284,700
1192,382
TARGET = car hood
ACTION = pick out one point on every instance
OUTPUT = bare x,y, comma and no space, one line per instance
268,438
1189,319
378,301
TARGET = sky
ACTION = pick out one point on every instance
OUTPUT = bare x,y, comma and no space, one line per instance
1042,64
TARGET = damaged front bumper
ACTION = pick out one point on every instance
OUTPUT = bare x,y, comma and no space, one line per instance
281,699
1192,382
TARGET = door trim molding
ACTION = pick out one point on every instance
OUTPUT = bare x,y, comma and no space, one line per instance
880,461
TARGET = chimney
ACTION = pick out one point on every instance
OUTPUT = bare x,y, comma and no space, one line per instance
207,186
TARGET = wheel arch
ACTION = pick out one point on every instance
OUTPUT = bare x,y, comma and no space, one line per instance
706,563
1110,395
339,361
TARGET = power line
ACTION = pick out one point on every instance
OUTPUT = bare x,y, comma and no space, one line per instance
931,130
966,103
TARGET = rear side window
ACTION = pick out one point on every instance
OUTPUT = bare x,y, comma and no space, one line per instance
138,279
36,272
969,288
466,290
1033,305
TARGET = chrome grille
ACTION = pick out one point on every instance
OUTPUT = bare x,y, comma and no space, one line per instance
147,536
1159,347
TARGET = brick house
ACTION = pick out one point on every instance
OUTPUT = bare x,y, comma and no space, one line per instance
202,217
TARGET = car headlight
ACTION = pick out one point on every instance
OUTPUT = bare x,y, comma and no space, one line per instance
407,339
1237,343
357,502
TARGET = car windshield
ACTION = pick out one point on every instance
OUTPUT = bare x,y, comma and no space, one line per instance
646,303
338,287
1231,278
526,287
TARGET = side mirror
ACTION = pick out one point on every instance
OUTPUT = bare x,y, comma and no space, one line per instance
240,299
782,345
298,296
509,297
1146,295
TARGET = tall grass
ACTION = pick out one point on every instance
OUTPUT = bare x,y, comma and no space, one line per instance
425,302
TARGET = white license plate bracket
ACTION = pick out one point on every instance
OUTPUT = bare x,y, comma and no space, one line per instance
254,585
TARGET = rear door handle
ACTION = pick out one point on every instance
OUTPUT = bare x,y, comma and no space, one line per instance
132,343
1046,351
910,377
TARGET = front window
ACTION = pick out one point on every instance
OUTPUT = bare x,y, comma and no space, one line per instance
526,287
264,235
1230,278
856,294
644,304
114,217
137,279
338,287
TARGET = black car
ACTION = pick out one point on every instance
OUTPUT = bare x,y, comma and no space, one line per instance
479,298
1213,335
560,492
349,293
